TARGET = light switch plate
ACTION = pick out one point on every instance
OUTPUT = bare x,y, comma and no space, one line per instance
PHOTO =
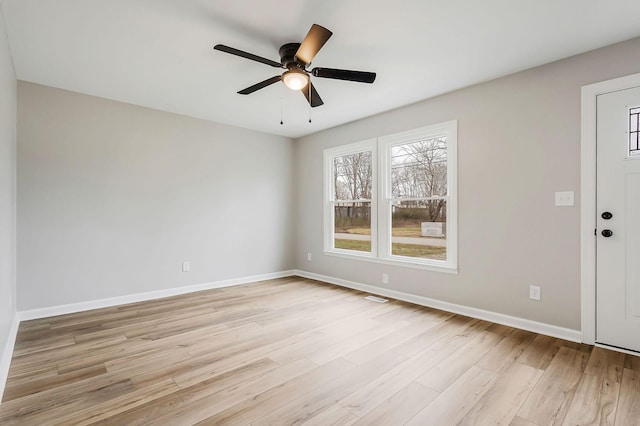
565,199
534,292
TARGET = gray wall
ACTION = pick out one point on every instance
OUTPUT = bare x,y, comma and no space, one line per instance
7,190
113,197
518,143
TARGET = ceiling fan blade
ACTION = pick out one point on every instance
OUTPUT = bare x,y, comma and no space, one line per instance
247,55
359,76
312,43
261,85
315,100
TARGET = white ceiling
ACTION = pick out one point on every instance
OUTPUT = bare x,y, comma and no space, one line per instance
158,53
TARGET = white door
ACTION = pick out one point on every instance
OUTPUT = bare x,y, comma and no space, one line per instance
618,221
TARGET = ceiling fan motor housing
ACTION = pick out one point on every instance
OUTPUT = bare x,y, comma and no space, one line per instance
288,56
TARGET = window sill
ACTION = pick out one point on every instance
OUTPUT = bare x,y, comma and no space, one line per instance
394,262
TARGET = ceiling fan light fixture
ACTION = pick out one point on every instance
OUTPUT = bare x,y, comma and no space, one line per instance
295,79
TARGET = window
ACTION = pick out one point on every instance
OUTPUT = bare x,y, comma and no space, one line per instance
404,213
634,132
349,192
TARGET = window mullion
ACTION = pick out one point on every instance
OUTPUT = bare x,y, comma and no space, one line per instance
361,200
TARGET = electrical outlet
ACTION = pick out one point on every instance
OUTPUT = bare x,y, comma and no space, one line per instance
186,266
309,256
534,292
385,278
565,199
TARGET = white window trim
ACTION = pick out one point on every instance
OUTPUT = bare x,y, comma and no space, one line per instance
448,129
381,185
329,154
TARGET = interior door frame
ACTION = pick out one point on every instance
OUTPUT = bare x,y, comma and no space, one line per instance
588,211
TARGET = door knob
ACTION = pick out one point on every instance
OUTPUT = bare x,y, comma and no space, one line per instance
607,233
607,215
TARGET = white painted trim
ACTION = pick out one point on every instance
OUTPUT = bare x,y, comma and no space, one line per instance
385,196
381,198
588,214
615,348
329,155
7,354
397,261
511,321
141,297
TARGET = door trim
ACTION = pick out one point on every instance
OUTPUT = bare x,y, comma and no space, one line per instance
588,211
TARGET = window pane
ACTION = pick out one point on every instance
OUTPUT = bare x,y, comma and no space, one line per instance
419,169
352,226
419,228
352,176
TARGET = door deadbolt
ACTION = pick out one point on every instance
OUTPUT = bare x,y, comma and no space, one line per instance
607,215
607,233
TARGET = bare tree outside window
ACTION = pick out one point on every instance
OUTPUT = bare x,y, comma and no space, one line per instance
418,180
353,179
352,176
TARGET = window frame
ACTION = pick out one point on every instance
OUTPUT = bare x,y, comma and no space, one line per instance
382,198
633,153
329,197
385,143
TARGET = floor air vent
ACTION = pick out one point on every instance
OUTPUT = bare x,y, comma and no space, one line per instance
376,299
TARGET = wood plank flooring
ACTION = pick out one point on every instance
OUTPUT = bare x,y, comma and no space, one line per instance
296,351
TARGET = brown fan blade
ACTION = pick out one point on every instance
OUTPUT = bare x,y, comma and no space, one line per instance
261,85
247,55
312,43
313,98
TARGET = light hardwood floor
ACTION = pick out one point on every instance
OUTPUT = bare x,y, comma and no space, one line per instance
296,351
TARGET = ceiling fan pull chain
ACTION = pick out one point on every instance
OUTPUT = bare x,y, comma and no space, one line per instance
281,122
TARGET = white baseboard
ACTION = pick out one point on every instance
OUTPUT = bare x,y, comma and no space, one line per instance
617,349
5,360
511,321
141,297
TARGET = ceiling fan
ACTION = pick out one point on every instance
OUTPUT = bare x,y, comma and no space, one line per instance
295,58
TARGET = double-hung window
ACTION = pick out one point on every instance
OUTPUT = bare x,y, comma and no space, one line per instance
393,199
